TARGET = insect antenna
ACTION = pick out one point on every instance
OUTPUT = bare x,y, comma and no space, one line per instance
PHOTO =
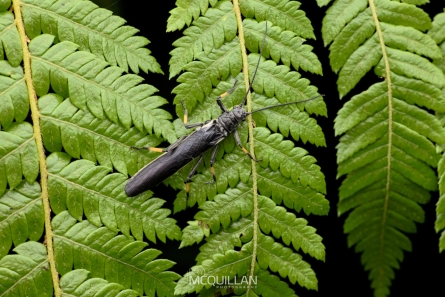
256,69
289,103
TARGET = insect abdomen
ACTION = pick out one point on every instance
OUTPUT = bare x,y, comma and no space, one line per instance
167,164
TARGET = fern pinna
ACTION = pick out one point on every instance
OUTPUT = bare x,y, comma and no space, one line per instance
247,231
438,34
75,59
387,149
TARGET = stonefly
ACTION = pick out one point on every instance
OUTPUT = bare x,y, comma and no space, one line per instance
208,134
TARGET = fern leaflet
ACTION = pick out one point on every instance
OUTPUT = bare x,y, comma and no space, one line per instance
438,35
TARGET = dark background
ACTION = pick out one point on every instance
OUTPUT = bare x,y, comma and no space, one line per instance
342,274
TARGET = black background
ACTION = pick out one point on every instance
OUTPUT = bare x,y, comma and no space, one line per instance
342,274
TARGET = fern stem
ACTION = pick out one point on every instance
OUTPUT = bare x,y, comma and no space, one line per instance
251,142
35,114
390,111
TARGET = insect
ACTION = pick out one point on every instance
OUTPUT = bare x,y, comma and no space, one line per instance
189,147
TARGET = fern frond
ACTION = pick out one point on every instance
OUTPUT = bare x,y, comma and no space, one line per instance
26,272
93,29
90,84
18,156
233,217
80,134
210,31
387,149
21,216
83,188
78,283
98,113
116,258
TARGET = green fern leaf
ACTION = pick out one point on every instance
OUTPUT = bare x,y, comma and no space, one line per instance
226,207
279,81
282,260
13,95
287,121
122,259
440,207
413,66
293,195
230,264
292,162
338,15
102,90
437,31
438,34
82,135
93,29
21,216
77,283
282,45
18,156
83,188
283,13
237,233
203,74
387,149
184,12
293,230
9,36
210,31
270,285
26,272
350,38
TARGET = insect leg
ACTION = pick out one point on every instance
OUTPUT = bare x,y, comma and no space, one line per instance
238,141
212,161
189,177
160,150
218,99
151,149
188,126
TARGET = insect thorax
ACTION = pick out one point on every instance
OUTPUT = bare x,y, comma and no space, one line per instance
231,120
